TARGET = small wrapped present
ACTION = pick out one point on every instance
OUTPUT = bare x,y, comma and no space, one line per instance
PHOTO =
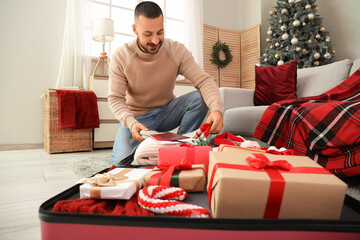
189,177
192,154
259,185
119,183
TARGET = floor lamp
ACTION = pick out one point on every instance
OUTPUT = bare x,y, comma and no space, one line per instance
102,31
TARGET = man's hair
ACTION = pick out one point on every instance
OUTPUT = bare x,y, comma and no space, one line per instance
148,9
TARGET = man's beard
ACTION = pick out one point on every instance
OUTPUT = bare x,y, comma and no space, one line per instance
144,49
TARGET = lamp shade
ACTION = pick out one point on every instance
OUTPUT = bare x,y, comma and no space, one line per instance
103,30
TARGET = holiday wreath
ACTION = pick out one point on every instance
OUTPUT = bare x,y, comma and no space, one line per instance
215,54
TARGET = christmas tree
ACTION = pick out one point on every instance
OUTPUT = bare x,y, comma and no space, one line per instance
296,32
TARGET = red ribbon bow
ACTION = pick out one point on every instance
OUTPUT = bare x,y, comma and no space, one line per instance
163,178
277,182
273,151
261,162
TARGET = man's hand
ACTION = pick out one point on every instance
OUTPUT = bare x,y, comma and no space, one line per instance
135,131
215,118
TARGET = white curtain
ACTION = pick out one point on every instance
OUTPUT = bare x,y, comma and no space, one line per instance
74,65
194,28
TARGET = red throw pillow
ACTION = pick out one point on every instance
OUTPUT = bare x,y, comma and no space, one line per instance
275,83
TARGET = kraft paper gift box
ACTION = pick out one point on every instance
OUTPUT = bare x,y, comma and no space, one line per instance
119,183
192,154
191,180
305,191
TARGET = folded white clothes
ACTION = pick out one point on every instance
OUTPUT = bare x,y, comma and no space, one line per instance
148,151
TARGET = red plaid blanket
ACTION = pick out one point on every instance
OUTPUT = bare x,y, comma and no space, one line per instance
325,128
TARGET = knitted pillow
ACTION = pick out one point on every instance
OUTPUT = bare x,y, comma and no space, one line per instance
275,83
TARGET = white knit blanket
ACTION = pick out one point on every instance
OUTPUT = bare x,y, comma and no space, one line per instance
148,151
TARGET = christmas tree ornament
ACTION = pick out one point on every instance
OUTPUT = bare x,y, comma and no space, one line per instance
287,48
296,23
268,40
291,1
277,55
311,16
298,49
317,55
334,52
271,12
327,55
285,36
304,23
327,39
294,41
318,36
280,62
316,63
284,11
277,44
269,32
322,29
308,6
280,21
304,50
283,28
309,41
265,59
316,8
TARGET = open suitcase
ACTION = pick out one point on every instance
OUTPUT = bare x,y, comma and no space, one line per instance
58,225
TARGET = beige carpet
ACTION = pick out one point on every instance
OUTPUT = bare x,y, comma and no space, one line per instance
87,166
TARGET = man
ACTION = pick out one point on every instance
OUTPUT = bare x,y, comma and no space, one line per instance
142,79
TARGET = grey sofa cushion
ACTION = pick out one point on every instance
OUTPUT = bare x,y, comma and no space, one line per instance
355,66
243,120
317,80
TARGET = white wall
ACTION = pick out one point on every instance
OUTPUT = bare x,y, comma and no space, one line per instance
30,46
31,38
222,14
232,14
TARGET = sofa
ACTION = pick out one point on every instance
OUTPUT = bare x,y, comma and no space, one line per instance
240,114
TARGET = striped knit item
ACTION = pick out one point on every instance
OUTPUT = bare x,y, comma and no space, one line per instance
160,199
203,132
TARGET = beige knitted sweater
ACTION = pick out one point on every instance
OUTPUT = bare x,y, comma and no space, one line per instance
140,82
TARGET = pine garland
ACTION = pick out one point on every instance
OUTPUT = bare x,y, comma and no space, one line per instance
219,46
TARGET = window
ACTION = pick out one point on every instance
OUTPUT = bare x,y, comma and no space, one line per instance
122,13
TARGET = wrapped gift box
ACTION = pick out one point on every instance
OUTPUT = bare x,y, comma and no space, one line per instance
306,191
124,189
193,154
191,180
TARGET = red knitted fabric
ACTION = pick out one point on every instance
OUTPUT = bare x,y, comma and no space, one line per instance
110,207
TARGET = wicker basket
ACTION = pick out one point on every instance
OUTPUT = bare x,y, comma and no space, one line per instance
58,140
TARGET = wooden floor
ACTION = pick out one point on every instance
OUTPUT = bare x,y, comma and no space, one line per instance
27,179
